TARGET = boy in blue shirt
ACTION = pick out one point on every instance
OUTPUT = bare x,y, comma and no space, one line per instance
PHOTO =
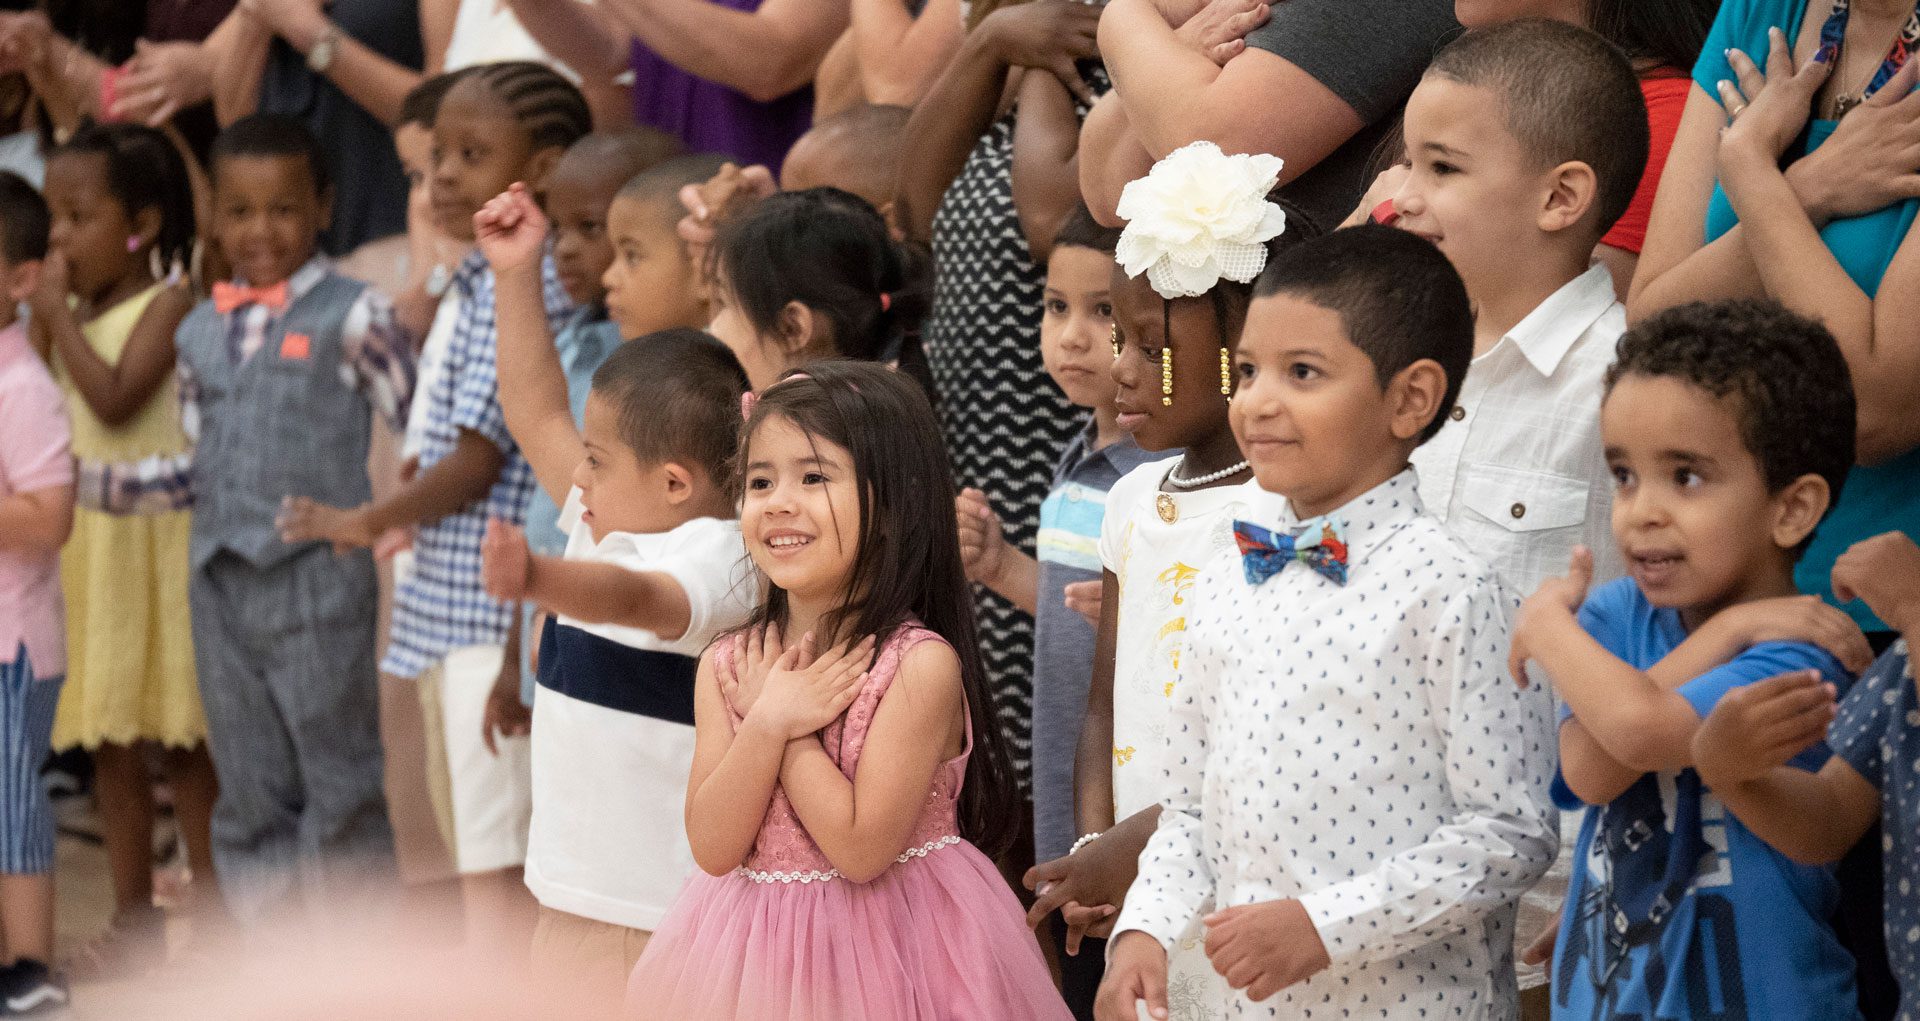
1728,429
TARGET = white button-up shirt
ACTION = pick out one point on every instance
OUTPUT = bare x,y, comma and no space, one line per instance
1359,748
1518,471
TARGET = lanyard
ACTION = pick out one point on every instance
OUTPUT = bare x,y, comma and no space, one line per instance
1835,30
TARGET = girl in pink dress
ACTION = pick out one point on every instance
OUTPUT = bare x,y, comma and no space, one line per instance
840,801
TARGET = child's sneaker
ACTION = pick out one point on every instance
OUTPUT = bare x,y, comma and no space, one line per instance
29,988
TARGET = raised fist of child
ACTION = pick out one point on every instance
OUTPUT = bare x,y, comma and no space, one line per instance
982,546
1884,571
511,230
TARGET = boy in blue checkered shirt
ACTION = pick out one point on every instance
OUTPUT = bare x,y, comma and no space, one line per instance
501,123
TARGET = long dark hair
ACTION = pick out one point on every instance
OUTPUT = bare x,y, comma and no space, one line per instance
830,251
1666,33
905,568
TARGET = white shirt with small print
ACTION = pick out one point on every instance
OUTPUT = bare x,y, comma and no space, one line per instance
1361,749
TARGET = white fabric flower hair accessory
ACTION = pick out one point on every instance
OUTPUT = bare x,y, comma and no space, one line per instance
1198,217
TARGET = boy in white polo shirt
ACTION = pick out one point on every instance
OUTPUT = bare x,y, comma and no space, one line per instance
654,569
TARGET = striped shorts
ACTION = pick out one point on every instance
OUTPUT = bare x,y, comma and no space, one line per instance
26,729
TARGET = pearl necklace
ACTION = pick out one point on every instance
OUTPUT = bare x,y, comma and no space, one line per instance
1179,483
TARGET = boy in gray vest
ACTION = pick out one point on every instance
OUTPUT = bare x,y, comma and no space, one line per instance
284,368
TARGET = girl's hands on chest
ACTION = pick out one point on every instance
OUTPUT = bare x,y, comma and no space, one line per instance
798,692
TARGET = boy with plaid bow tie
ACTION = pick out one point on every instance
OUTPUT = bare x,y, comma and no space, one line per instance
284,369
1356,796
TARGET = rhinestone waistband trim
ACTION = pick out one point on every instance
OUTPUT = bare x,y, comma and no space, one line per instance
831,874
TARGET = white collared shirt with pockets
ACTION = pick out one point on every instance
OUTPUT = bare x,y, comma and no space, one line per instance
1358,748
1518,471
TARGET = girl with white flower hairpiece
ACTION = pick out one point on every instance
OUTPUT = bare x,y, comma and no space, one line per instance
1200,227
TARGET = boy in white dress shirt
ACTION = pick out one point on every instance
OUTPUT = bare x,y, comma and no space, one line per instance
1358,797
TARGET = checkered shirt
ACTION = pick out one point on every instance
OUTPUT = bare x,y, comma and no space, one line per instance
443,606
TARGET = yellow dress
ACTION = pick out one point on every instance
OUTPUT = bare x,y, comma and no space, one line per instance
130,673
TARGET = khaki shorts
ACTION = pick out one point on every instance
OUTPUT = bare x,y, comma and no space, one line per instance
482,802
584,963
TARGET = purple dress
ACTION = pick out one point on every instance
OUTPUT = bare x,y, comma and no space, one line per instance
712,118
938,936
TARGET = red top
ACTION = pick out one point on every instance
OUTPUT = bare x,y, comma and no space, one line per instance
1666,93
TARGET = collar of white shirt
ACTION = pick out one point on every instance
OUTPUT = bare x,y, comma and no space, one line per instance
1550,330
1370,518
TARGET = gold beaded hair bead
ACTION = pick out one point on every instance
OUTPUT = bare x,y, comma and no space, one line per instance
1113,338
1226,373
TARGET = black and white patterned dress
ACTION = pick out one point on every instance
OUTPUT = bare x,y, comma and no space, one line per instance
1005,421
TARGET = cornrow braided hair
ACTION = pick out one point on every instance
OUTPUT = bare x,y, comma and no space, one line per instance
554,113
144,171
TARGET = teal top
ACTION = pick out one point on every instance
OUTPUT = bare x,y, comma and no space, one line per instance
1876,499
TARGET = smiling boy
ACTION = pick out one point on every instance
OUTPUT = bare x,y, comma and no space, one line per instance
284,368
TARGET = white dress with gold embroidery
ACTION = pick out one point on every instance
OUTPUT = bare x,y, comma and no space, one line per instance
1155,544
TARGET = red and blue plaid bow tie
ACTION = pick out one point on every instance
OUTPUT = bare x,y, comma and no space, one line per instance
1264,554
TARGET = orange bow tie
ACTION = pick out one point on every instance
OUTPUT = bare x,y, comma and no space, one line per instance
230,298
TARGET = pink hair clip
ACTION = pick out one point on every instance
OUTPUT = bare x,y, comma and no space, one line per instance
747,401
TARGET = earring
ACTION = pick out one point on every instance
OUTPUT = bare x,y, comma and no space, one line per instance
154,264
133,243
1226,374
1166,377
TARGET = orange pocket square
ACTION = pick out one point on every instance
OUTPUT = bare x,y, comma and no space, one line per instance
296,346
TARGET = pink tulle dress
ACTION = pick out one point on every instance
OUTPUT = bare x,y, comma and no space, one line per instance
938,935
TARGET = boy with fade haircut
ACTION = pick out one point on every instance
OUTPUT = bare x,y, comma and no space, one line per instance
1526,142
657,280
654,570
282,372
36,515
1729,428
1358,796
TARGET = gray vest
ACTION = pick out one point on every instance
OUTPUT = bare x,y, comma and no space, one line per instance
282,424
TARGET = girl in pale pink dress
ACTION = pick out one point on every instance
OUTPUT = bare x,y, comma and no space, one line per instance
840,803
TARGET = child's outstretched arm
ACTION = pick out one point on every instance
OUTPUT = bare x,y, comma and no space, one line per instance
453,482
1742,749
512,233
863,824
116,391
987,555
785,696
597,593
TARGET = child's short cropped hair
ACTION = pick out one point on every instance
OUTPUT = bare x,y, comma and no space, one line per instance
1782,375
659,185
1399,298
1081,230
1570,96
24,220
678,396
271,135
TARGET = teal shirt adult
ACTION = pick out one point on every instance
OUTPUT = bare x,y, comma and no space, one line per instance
1882,497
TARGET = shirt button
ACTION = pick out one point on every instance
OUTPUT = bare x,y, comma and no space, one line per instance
1459,414
1519,510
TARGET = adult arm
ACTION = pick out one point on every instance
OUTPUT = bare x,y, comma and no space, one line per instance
240,65
377,84
1046,162
763,54
900,54
863,824
1174,94
585,37
119,390
963,101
